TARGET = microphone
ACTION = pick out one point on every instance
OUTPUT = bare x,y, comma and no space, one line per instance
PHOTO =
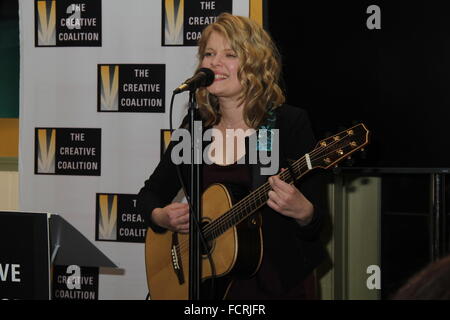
204,77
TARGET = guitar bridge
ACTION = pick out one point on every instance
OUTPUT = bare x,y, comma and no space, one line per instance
176,259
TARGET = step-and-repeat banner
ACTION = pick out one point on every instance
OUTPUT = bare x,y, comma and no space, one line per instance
96,82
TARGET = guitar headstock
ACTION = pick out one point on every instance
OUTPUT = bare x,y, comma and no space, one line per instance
328,152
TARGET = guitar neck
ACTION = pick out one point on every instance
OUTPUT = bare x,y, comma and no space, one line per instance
254,201
327,153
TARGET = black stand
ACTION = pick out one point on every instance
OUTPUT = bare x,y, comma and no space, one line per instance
195,199
438,225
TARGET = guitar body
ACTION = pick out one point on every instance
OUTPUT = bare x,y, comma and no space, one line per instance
237,253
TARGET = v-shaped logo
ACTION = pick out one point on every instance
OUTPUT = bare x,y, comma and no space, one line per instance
109,88
46,24
46,150
174,20
107,228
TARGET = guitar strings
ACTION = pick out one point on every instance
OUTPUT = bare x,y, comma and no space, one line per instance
284,175
225,219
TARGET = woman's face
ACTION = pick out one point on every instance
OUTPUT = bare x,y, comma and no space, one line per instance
220,58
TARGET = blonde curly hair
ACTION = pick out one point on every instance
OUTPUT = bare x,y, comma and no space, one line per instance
259,71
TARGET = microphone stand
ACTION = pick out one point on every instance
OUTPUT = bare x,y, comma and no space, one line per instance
195,189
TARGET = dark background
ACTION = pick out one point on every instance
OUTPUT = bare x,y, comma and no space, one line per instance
396,79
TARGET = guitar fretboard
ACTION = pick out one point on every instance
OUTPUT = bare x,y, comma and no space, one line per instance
327,153
252,202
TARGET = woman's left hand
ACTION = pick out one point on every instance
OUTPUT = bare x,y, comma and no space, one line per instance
289,201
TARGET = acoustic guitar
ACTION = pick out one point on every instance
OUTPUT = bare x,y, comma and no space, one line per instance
232,228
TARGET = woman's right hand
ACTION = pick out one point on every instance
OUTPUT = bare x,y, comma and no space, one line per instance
174,217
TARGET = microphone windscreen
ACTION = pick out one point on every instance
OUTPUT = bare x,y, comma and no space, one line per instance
209,76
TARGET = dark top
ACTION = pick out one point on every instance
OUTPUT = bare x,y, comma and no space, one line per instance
292,251
230,174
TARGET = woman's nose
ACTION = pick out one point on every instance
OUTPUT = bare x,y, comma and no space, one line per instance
216,60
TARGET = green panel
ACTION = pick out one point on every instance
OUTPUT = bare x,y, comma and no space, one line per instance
355,210
9,68
363,209
9,164
326,271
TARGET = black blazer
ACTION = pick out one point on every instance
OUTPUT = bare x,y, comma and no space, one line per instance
293,250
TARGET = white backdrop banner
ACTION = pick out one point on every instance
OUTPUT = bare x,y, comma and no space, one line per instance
95,88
